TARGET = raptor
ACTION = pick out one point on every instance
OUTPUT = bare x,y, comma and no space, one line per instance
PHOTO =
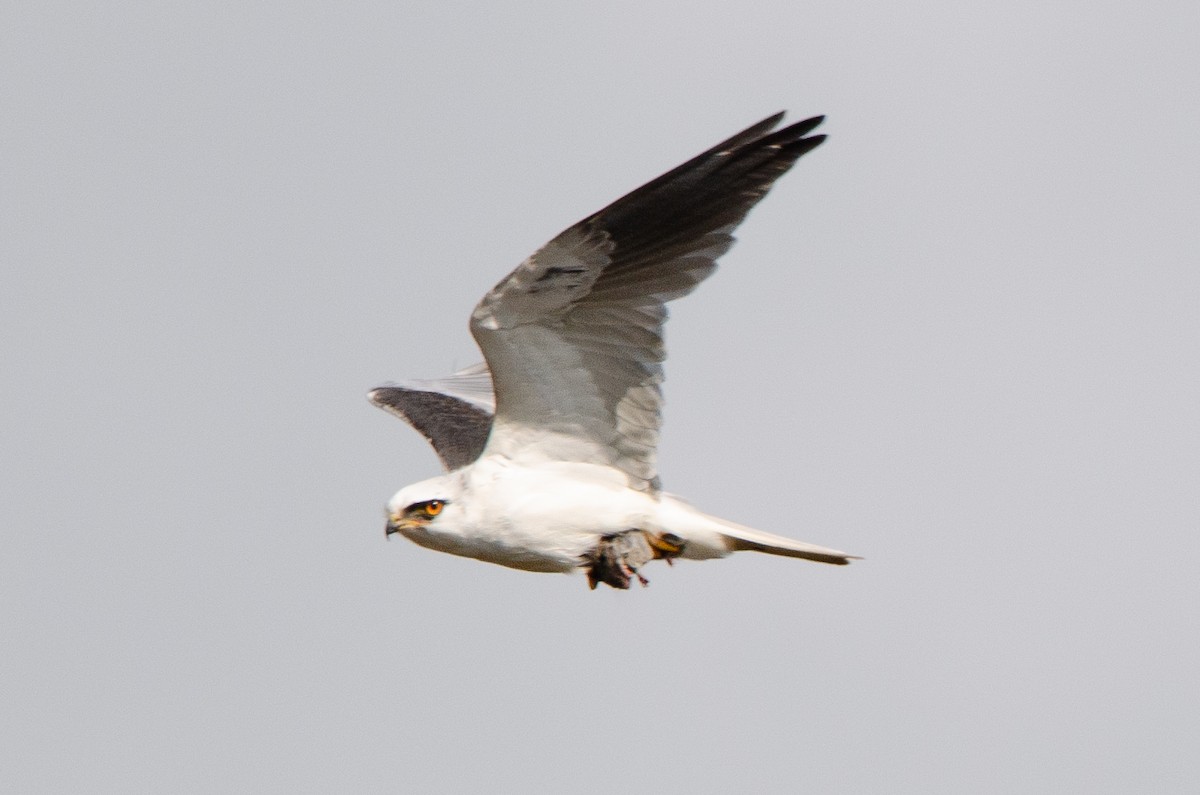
550,445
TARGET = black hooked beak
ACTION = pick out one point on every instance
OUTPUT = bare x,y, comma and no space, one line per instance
391,528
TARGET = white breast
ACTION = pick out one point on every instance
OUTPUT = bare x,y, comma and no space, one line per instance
538,518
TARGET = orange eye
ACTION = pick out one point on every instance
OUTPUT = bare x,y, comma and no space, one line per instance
433,507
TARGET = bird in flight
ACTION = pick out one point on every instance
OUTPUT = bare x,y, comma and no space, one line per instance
550,446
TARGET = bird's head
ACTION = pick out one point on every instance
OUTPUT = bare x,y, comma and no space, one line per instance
416,507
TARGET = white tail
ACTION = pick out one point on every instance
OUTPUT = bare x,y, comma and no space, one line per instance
709,536
741,538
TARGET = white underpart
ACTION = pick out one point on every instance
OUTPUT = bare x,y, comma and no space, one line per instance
549,516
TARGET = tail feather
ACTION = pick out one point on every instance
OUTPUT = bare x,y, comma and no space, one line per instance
740,538
708,536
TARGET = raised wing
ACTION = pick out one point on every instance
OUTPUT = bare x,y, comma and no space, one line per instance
454,413
573,337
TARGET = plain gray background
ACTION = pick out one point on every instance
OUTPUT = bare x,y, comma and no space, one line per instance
960,339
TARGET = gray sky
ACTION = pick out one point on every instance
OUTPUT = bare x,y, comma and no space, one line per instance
961,339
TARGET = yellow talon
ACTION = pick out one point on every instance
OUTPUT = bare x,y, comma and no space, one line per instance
665,545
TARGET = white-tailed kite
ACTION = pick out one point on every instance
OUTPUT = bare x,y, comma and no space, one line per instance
549,447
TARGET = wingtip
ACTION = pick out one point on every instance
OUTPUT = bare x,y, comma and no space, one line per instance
376,395
381,395
795,138
811,121
804,127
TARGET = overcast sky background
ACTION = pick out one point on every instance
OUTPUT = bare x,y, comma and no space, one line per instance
961,339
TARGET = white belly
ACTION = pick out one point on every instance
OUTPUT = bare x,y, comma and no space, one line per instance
543,518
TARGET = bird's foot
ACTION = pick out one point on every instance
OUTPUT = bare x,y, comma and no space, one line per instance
619,556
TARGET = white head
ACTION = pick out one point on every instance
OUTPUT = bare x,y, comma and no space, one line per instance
414,509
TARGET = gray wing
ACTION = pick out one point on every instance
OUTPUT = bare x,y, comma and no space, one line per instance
453,413
573,337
